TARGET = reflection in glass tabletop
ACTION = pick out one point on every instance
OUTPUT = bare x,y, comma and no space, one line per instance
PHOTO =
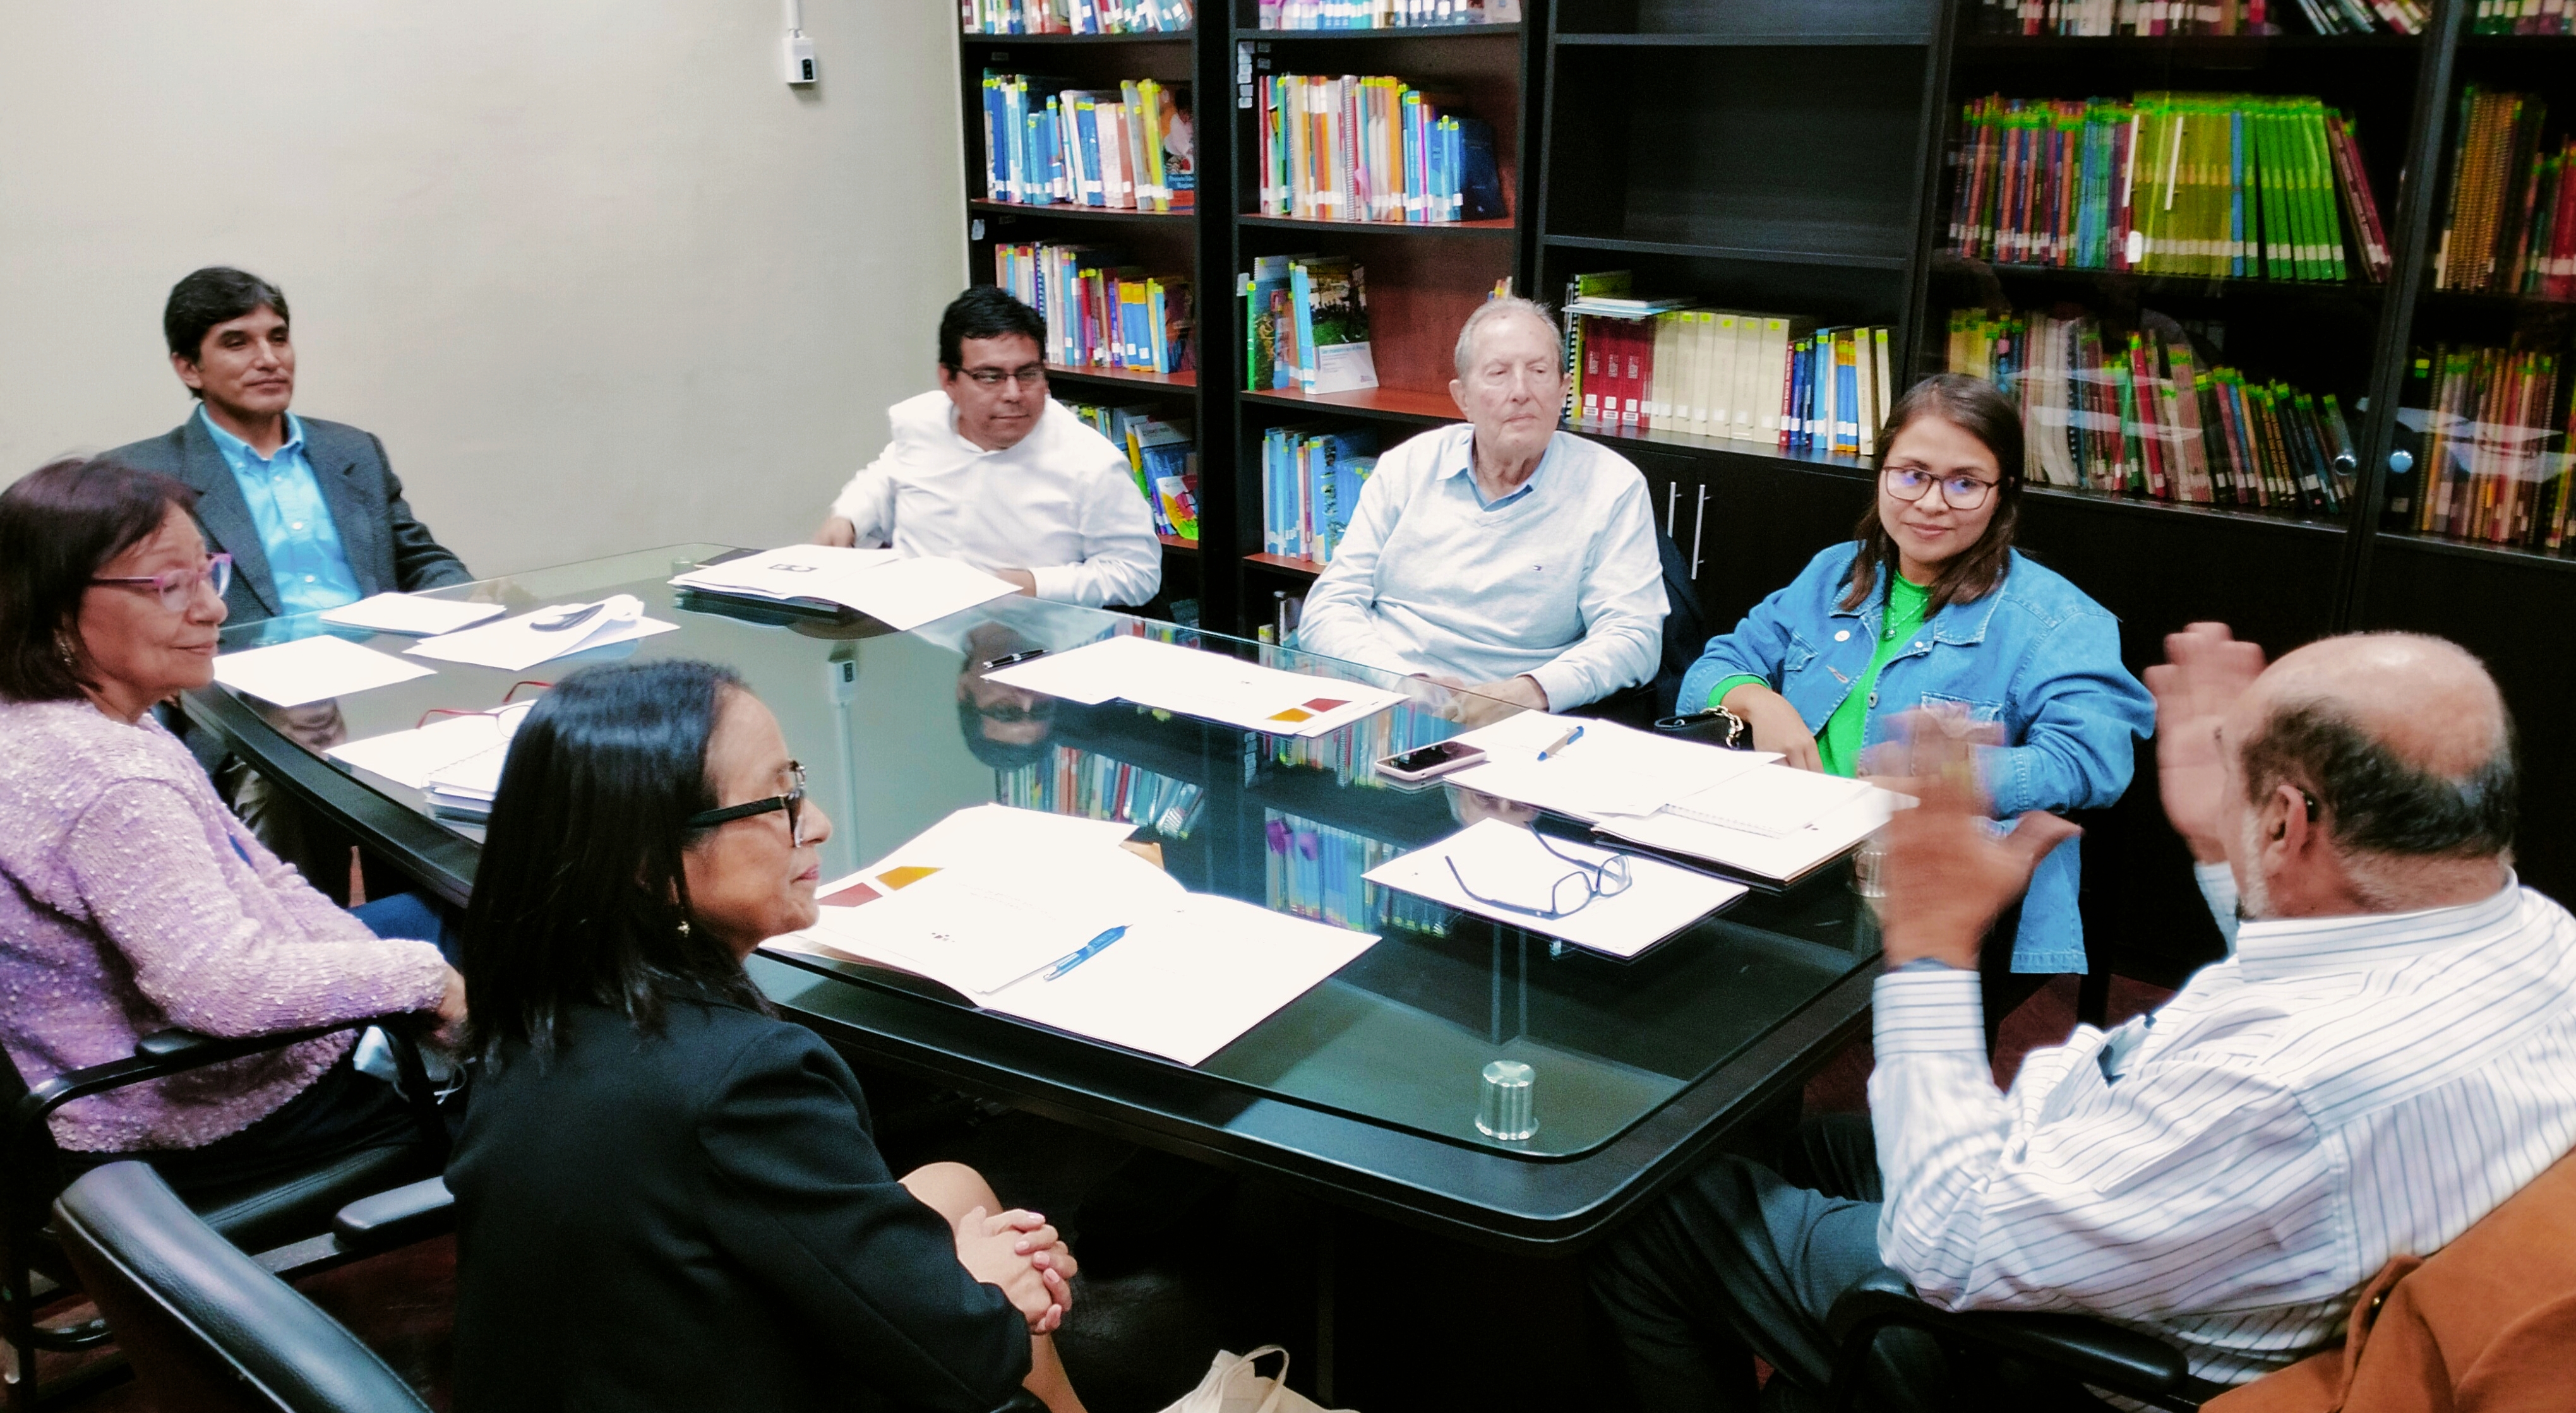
896,730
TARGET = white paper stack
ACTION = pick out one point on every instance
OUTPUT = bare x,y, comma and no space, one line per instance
410,614
1211,685
517,644
1761,826
1508,865
412,757
986,901
312,669
1609,770
900,592
465,790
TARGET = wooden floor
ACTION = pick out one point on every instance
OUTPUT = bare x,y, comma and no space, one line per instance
1155,1313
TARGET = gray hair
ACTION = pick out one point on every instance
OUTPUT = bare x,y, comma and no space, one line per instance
1503,307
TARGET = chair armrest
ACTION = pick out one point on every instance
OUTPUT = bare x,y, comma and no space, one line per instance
2091,1350
157,1056
398,1218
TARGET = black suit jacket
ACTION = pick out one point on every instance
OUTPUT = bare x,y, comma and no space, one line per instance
388,550
700,1220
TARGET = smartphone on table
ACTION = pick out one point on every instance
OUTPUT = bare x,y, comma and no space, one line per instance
1426,762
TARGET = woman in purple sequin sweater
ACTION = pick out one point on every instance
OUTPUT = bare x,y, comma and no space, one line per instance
134,901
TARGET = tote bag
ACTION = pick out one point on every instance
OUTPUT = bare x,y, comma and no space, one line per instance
1232,1386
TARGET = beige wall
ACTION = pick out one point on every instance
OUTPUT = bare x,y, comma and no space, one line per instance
595,273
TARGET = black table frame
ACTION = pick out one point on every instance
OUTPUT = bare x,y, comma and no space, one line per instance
1539,1207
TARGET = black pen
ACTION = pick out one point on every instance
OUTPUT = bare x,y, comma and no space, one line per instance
1008,658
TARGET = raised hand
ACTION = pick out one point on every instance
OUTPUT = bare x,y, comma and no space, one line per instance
2205,670
1946,873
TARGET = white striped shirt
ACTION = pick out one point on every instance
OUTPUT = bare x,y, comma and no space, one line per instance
2227,1172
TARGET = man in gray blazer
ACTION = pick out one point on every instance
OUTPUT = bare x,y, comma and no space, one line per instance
309,510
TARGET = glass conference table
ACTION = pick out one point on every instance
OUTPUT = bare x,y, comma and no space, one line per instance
1364,1091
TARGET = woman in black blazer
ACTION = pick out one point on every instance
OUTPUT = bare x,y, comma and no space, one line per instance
667,1197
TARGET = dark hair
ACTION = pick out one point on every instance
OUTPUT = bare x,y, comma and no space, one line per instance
580,896
217,294
1975,407
985,312
1000,755
2376,802
58,527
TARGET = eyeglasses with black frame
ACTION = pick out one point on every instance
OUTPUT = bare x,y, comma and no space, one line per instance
1028,375
177,587
793,802
1606,879
1912,483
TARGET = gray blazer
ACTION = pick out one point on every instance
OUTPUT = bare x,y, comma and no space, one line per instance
388,550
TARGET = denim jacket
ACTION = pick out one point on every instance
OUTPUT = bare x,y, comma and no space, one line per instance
2036,655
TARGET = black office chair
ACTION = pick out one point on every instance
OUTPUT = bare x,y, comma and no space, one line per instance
2085,1351
1686,636
212,1330
252,1216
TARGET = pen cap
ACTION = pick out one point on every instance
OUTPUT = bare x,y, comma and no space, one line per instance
1507,1101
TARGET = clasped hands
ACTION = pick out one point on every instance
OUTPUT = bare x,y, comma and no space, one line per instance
1476,703
1019,1253
1946,873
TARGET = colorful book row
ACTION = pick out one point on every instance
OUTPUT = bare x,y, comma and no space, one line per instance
1384,14
2229,185
1131,149
1351,755
2510,225
1310,485
1318,871
1077,16
2499,442
1773,379
1366,149
1101,312
2161,17
1161,457
2144,417
1306,325
2523,17
1085,783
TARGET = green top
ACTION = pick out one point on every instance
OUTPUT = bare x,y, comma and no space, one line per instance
1838,745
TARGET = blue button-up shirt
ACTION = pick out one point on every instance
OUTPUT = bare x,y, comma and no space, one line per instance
305,561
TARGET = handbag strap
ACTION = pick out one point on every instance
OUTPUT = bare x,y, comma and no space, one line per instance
1278,1386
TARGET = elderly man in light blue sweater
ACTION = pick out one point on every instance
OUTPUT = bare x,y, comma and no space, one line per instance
1503,557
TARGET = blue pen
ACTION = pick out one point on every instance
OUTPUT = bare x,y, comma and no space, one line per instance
1086,952
1568,739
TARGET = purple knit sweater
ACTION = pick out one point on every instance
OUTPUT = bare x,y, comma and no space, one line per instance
136,902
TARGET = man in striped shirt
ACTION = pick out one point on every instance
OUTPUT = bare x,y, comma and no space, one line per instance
2388,1053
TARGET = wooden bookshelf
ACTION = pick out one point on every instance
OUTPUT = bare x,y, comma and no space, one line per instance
1789,155
1161,242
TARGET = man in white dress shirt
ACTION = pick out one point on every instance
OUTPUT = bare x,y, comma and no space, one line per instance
1504,557
2386,1055
992,472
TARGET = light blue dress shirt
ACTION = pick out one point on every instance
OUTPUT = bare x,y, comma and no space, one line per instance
305,561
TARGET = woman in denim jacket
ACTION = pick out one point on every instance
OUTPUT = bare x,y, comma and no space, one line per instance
1965,624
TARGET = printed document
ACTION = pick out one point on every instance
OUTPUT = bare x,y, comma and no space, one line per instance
1508,864
411,614
1609,770
1214,686
988,900
411,757
902,593
517,644
311,669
